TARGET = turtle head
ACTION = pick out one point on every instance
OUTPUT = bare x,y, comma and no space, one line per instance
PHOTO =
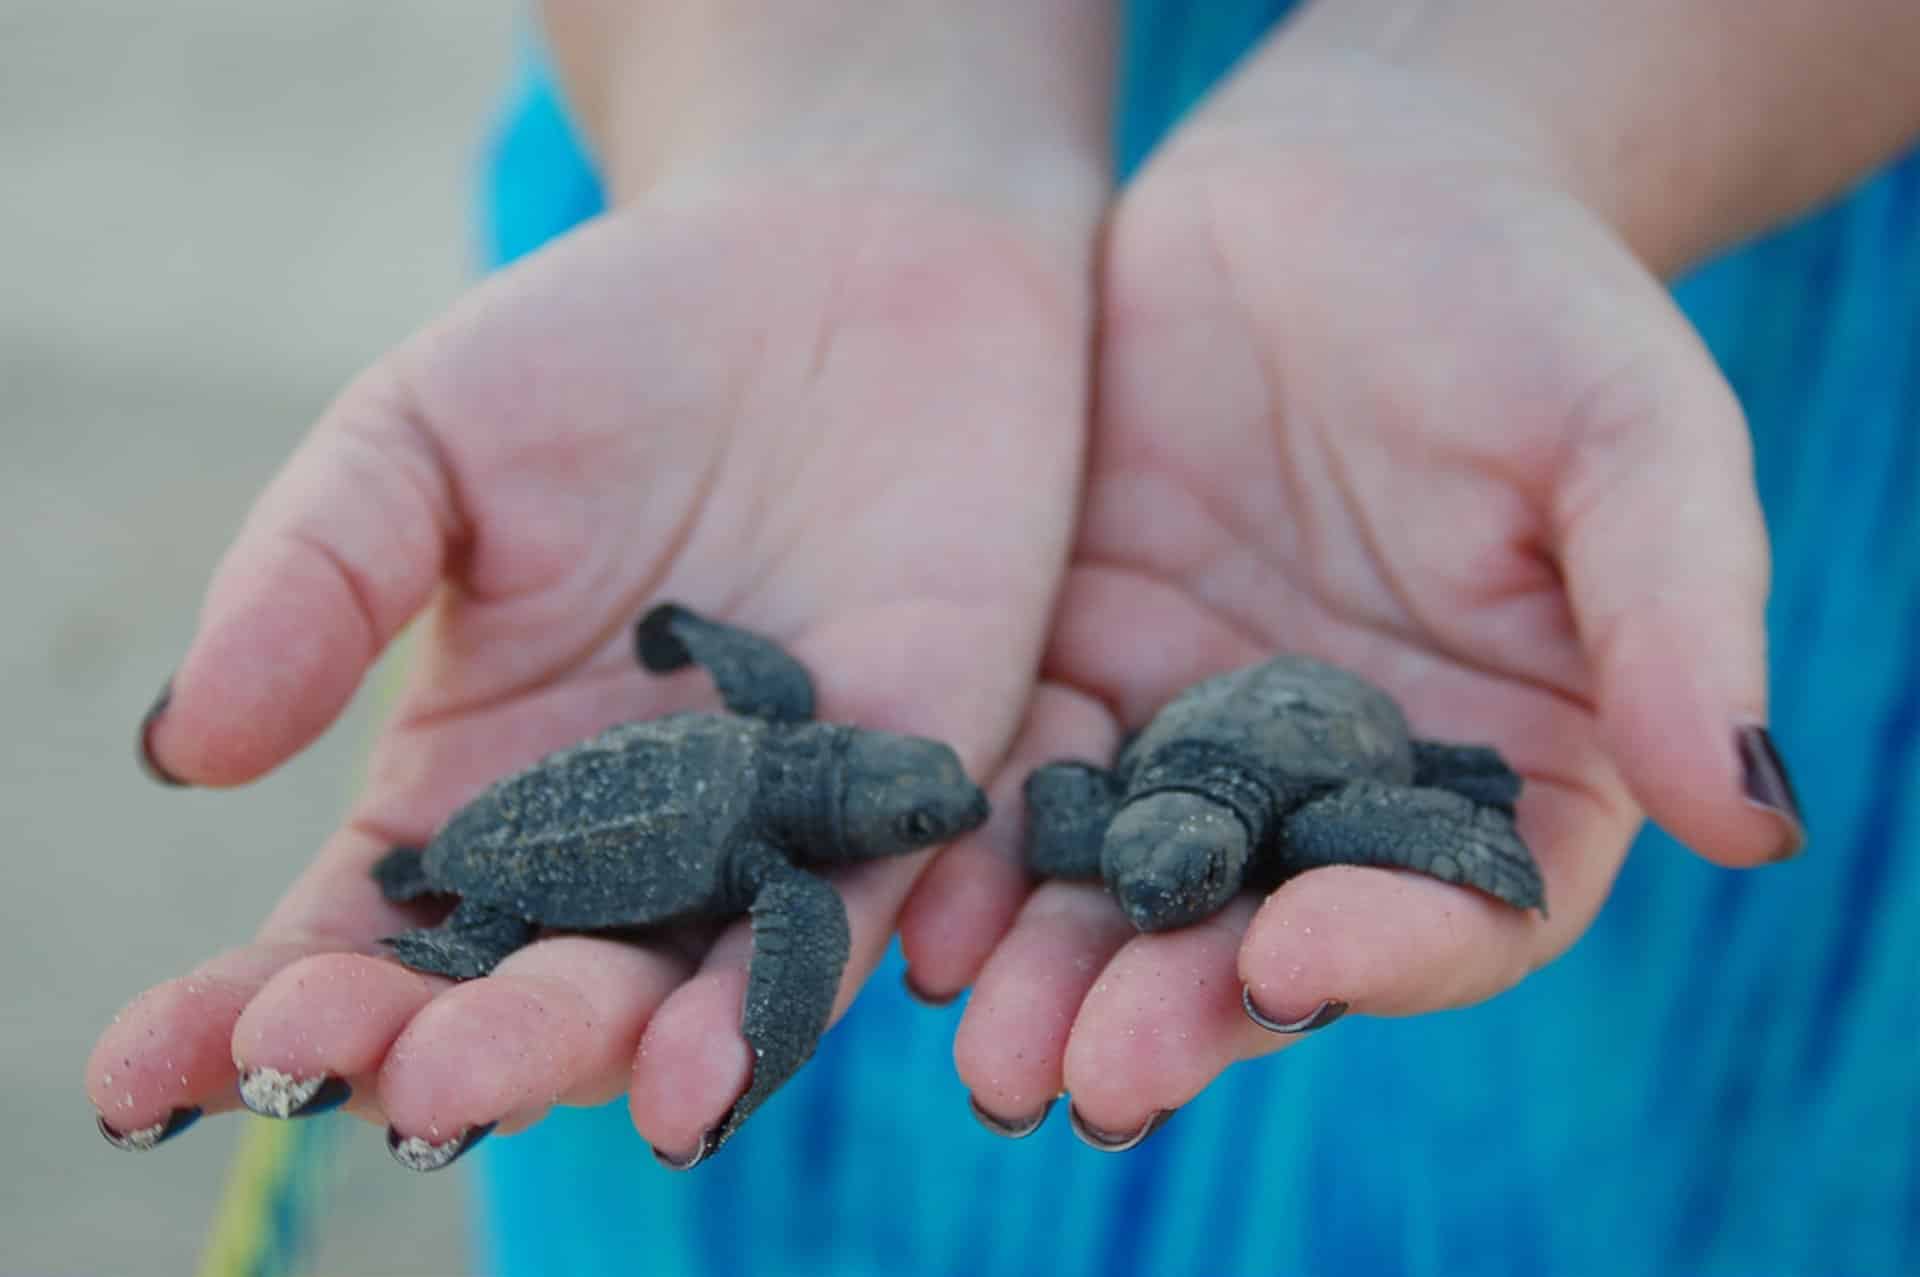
901,793
1173,858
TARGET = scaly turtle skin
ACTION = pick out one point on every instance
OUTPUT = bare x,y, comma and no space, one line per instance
688,817
1254,776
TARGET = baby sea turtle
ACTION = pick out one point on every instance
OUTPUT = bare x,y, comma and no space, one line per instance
1251,777
687,817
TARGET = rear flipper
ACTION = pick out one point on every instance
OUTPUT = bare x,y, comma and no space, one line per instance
401,875
1472,771
1431,831
469,944
800,948
755,676
1069,806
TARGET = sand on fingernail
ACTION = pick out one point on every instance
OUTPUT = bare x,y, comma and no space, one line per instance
418,1154
271,1093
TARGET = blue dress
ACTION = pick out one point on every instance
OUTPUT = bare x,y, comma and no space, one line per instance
1723,1077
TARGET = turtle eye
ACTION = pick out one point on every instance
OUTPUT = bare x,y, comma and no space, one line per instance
919,824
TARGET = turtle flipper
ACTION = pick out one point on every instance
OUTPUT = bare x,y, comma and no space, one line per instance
401,875
1472,771
469,944
800,948
1069,806
755,677
1436,832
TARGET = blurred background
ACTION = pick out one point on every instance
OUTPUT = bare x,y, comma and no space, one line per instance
212,214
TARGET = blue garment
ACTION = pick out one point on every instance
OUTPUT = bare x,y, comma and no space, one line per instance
1723,1077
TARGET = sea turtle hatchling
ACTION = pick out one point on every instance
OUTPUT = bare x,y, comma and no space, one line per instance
1251,777
691,816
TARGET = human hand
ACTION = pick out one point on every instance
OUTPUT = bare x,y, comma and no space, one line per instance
849,419
1376,388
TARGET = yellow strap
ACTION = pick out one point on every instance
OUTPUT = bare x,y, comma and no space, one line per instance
274,1201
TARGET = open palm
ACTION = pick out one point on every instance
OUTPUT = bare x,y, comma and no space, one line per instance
850,423
1424,417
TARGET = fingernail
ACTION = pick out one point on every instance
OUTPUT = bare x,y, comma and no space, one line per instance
1319,1018
417,1154
271,1093
701,1151
151,1136
1763,778
1107,1141
148,763
920,995
1018,1129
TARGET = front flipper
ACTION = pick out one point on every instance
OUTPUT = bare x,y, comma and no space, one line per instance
800,948
1472,771
1069,806
469,944
755,677
1431,831
402,876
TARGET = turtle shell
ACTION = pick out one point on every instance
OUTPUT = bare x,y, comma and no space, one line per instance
629,828
1292,717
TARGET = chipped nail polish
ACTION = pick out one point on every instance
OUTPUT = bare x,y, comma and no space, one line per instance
702,1151
148,763
1764,781
920,995
151,1136
417,1154
1318,1018
1106,1141
1017,1129
271,1093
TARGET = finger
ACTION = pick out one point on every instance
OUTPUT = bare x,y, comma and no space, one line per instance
1660,536
1175,1009
174,1047
168,1052
622,984
342,549
965,902
315,1035
694,1062
556,1023
1152,1024
1011,1045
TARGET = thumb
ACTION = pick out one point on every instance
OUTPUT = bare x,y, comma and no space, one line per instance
341,550
1659,533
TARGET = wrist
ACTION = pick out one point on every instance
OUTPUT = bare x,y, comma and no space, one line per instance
1331,100
1001,102
1684,124
1579,118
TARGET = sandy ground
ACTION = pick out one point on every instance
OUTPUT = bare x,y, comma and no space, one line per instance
211,214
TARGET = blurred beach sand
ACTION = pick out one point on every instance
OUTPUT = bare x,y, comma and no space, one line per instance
212,214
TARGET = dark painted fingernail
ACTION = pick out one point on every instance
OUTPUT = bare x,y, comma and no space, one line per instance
920,995
151,1136
417,1154
1107,1141
1318,1018
271,1093
1763,778
1018,1129
148,763
701,1152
